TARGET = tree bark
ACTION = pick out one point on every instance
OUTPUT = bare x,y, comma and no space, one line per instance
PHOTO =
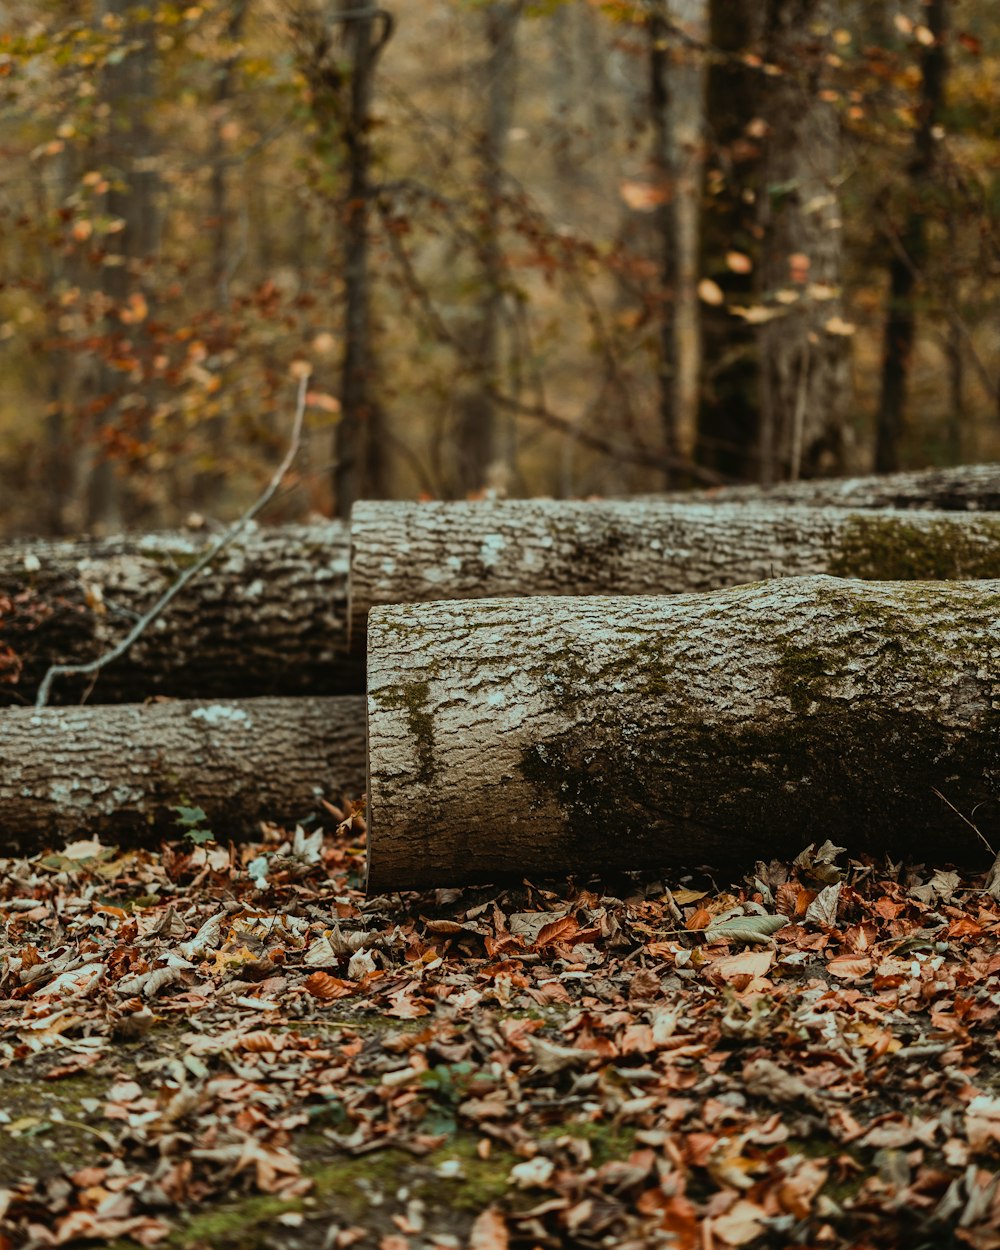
908,249
729,421
410,553
121,772
359,437
965,488
539,737
268,617
804,360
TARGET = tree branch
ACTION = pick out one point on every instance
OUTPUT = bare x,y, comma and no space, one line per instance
189,574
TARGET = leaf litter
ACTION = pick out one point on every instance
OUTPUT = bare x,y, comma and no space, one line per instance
808,1057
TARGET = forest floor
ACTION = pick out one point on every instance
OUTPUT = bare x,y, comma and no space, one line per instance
232,1047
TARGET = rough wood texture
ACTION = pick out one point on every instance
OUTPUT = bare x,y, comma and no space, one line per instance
545,736
119,771
269,617
412,553
967,488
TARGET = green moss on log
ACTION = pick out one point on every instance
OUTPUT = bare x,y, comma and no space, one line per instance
803,676
878,548
413,697
865,777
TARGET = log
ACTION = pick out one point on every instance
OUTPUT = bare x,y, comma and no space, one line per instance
965,488
121,771
544,736
268,617
410,553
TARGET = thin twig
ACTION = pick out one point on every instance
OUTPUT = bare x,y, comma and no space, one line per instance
649,457
979,835
171,593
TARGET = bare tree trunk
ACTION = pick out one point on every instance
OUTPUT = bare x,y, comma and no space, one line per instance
729,423
687,127
412,553
542,736
269,617
60,445
208,482
662,162
486,447
359,441
804,362
128,85
954,350
908,249
121,772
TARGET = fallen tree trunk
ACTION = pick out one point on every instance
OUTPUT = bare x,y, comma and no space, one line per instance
268,617
121,772
546,736
412,553
966,488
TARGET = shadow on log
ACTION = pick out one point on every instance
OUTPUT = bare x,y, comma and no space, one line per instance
121,772
544,736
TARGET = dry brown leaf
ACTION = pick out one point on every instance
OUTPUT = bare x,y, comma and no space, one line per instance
322,985
489,1231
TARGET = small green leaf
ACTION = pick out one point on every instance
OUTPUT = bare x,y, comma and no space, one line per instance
190,817
199,836
751,930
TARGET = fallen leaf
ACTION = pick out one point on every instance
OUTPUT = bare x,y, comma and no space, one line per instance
322,985
489,1231
743,1222
849,967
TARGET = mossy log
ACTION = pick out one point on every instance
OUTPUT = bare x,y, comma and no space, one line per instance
548,736
268,617
413,553
122,771
965,488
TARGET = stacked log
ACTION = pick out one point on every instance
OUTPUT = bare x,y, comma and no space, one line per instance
269,617
965,488
545,736
624,713
414,553
123,772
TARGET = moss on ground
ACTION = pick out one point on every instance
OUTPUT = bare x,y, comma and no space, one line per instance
51,1131
47,1126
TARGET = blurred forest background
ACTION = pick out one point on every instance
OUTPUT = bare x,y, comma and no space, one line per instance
568,247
